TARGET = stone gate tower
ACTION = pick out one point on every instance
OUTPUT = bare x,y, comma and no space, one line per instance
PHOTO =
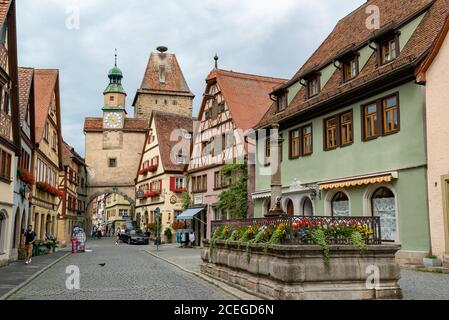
163,87
113,143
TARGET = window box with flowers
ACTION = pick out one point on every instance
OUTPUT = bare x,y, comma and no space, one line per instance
143,171
26,176
177,184
48,188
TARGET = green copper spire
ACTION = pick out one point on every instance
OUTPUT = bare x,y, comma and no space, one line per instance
115,76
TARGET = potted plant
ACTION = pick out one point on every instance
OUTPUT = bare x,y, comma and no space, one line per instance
168,235
432,261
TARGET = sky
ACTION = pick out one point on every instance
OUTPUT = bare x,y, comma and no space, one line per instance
79,37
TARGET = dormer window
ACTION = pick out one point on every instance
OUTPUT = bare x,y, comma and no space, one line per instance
388,50
350,68
313,86
282,102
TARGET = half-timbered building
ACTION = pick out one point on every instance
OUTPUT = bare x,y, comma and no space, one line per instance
233,103
9,125
160,180
47,156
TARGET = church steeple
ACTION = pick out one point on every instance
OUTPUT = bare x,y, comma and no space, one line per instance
114,94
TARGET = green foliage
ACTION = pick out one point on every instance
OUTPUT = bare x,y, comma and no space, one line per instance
235,199
319,238
186,199
357,240
168,233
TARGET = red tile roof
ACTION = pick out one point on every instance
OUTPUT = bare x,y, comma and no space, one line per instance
174,78
45,81
25,82
352,32
131,124
69,154
166,124
4,8
246,95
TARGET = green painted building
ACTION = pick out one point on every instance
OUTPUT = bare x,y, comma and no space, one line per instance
352,121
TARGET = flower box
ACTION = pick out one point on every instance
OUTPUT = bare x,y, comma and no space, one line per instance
143,172
48,188
26,176
152,168
179,190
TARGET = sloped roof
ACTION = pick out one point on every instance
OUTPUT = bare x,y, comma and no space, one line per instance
247,95
4,8
131,124
69,154
44,85
166,123
350,32
25,80
174,78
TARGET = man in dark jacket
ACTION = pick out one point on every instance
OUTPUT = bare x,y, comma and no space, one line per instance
30,239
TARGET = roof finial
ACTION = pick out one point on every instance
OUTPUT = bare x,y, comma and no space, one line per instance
115,57
216,61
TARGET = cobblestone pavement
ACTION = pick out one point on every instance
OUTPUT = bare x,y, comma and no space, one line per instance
129,273
424,285
18,272
188,258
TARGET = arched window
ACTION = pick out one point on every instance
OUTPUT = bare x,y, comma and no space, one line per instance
290,208
340,205
383,205
307,207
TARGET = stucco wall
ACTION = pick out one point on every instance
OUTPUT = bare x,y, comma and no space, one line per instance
403,152
437,97
128,157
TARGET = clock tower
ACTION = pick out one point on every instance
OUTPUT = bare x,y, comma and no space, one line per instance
114,110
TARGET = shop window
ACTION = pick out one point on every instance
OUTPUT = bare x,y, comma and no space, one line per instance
383,205
340,205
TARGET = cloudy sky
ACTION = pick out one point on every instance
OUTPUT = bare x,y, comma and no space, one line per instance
267,37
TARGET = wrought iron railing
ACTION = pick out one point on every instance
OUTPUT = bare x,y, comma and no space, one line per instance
371,224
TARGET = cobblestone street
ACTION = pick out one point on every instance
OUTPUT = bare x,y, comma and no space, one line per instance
129,273
132,273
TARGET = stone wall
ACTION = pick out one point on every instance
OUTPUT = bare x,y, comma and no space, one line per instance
299,272
146,103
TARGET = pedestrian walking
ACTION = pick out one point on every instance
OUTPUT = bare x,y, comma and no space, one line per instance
192,239
30,239
94,232
117,239
186,235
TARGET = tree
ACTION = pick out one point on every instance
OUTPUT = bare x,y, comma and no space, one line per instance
235,199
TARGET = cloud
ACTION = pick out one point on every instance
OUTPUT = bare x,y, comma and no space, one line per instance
271,37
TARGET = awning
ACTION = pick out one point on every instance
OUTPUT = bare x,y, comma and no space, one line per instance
356,182
189,214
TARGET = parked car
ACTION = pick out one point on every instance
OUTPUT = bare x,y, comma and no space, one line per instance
134,237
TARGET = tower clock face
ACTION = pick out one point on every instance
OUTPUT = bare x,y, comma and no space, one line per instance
113,120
